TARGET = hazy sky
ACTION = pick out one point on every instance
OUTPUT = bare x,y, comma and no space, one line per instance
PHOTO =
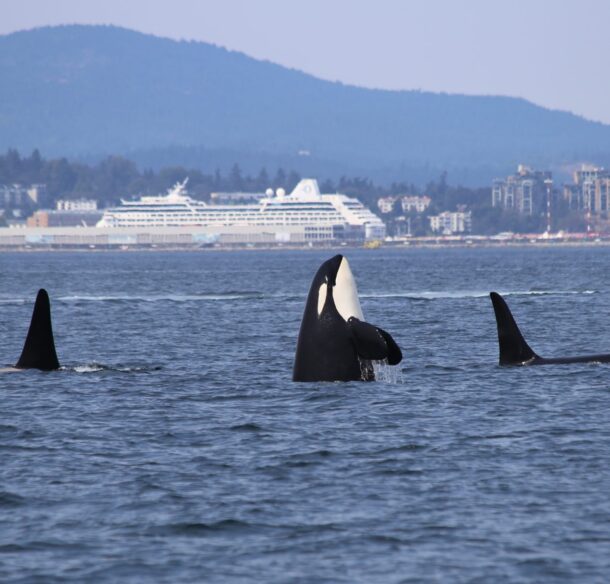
553,52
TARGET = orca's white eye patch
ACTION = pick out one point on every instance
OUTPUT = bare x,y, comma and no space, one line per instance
321,298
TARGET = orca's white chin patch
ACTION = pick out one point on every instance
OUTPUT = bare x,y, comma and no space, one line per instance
345,293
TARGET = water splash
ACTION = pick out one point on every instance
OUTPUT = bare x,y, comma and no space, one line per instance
97,367
386,373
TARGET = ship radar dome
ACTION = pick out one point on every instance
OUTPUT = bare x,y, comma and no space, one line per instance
280,192
269,192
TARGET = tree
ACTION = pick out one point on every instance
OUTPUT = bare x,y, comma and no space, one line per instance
217,180
33,167
280,179
262,180
114,177
60,178
328,186
236,180
292,180
12,166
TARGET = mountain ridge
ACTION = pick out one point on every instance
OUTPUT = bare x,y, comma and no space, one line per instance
89,90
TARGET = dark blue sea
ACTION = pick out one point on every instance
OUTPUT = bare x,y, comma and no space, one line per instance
173,446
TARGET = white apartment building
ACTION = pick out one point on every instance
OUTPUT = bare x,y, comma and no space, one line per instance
76,205
415,203
386,204
449,223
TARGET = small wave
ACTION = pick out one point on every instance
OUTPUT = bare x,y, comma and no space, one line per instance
161,298
201,529
252,295
97,367
410,447
385,539
14,301
8,499
399,472
248,427
42,546
442,295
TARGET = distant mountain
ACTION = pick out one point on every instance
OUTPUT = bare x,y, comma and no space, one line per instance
86,91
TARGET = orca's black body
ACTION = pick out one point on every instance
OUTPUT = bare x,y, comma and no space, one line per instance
336,347
39,348
514,350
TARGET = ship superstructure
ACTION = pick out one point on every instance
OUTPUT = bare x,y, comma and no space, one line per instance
321,216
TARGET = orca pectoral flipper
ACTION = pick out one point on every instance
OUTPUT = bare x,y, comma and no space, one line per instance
513,348
374,343
39,348
394,353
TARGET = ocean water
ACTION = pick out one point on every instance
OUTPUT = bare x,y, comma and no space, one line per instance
173,446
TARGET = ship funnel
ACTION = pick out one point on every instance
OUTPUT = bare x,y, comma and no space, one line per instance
307,187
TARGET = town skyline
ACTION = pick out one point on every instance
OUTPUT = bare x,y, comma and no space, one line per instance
60,194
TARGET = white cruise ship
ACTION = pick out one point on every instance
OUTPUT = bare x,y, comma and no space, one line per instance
319,216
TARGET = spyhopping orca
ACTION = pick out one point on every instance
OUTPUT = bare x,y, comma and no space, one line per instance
335,344
39,348
513,348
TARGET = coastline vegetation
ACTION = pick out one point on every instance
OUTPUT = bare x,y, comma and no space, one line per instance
117,177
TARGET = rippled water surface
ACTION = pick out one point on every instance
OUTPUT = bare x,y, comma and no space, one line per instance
173,446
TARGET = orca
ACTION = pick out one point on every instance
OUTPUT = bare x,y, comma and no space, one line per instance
39,347
334,342
514,350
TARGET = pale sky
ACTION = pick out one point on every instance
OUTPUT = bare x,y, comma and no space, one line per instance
555,53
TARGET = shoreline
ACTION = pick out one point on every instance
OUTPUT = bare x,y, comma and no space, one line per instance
410,245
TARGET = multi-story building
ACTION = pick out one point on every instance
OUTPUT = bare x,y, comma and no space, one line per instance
67,213
449,222
386,204
591,190
17,196
76,205
415,203
529,191
408,203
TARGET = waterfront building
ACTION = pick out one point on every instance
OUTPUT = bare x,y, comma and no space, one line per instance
408,203
449,223
590,191
386,204
76,205
18,196
415,203
80,237
528,191
67,213
55,218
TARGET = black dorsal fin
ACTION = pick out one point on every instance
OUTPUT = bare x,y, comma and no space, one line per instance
39,348
513,348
